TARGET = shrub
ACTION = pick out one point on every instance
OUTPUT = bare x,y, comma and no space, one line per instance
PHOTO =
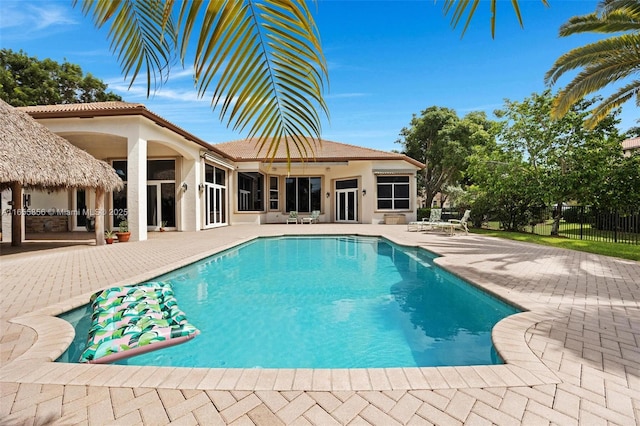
424,212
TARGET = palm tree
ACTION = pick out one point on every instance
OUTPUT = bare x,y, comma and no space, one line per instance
265,57
602,63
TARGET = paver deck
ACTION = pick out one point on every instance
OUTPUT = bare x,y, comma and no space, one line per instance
572,358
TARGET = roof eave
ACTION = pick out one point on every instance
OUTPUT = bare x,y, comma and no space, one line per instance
131,111
410,160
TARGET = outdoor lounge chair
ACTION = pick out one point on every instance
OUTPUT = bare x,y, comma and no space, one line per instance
293,217
313,218
454,224
425,223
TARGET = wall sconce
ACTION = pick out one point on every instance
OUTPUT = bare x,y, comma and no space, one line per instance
327,195
184,186
201,187
364,192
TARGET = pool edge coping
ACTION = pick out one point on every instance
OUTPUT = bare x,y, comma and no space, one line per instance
522,367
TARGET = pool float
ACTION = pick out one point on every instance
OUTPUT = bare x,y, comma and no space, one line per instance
132,320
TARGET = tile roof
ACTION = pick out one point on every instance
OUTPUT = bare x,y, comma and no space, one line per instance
323,150
631,143
109,109
90,106
239,150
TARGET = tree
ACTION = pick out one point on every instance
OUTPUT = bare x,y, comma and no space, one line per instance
633,132
442,141
543,161
619,190
511,188
601,63
27,81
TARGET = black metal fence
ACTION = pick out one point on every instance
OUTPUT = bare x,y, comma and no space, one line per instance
583,223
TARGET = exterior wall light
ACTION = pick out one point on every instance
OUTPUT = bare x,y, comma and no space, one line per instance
184,186
328,195
364,192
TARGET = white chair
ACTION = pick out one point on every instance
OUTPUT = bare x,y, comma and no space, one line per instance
293,217
454,224
313,218
425,223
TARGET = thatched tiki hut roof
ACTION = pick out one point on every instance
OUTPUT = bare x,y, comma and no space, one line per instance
32,156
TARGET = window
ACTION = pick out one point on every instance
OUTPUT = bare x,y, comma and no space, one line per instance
304,194
273,193
393,192
250,190
161,170
214,174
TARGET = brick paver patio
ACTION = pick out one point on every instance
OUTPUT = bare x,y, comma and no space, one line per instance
572,358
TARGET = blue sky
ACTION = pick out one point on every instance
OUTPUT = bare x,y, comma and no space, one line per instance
387,61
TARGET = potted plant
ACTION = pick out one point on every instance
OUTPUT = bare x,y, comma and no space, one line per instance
108,236
123,233
163,224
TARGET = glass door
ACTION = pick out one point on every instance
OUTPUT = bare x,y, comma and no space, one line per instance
215,204
347,205
161,205
152,207
81,210
347,200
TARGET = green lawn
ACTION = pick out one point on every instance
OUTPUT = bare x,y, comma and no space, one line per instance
623,251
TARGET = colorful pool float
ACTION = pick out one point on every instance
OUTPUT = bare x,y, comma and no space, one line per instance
132,320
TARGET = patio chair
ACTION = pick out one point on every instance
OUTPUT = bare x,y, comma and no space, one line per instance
313,218
425,223
454,224
293,217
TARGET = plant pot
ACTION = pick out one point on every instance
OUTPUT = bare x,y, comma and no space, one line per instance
123,237
109,240
161,229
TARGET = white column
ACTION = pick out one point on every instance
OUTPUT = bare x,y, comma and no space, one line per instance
100,218
137,187
189,199
17,216
6,215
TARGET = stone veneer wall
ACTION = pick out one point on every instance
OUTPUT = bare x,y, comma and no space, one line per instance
46,223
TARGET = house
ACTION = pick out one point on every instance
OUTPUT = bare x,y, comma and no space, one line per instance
629,146
178,181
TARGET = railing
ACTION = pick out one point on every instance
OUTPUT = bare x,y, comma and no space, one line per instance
583,223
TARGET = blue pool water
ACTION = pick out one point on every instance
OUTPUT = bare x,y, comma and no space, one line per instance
323,302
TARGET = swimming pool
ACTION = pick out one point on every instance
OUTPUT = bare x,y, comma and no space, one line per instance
323,302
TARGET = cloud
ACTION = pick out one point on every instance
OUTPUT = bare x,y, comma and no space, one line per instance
139,90
31,20
185,96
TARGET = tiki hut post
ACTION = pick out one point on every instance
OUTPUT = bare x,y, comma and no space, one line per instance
16,214
100,216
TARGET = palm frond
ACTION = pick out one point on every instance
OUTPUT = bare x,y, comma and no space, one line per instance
614,101
622,61
616,21
142,36
608,6
623,47
260,61
264,65
460,8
